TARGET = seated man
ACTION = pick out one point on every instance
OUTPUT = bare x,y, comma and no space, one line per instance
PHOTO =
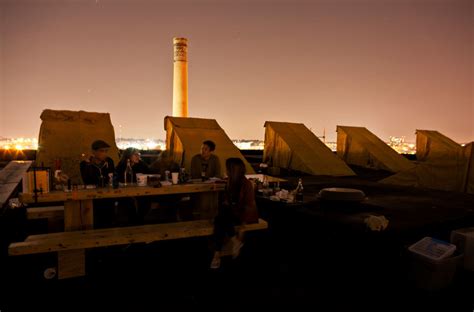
96,170
206,164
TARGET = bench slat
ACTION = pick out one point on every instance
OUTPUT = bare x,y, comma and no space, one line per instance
10,178
13,172
45,212
119,236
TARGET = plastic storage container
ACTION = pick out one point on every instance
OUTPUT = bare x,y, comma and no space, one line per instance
433,249
434,275
464,240
434,263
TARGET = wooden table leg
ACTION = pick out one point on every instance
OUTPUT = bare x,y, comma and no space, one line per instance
78,215
71,263
206,205
87,214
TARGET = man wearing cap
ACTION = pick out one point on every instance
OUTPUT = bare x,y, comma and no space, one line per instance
96,168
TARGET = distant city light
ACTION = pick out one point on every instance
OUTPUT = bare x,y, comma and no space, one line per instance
397,143
18,144
400,146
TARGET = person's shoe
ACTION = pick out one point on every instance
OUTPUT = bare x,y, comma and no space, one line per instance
236,246
216,263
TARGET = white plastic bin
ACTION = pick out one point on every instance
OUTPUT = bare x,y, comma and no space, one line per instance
433,249
464,240
433,264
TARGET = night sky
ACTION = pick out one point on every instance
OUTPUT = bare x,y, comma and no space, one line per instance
391,66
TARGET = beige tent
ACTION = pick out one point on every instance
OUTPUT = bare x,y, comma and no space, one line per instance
432,145
184,137
445,165
66,135
358,146
294,146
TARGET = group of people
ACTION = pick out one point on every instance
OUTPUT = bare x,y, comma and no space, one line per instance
237,206
98,169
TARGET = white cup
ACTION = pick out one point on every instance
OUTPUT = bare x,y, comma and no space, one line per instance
174,177
142,179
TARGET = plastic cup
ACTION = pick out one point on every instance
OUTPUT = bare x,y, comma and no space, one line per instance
174,177
142,179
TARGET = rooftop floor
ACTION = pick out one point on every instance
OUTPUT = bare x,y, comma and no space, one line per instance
313,254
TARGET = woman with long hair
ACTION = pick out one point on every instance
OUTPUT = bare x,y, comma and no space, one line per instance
238,207
137,164
137,207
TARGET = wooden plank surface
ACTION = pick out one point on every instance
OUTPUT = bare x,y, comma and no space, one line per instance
13,172
45,212
10,178
87,214
6,191
71,263
206,205
119,236
129,191
72,216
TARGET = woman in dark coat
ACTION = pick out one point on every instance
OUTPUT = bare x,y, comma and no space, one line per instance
238,207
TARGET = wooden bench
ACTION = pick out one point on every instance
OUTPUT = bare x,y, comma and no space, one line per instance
53,212
77,241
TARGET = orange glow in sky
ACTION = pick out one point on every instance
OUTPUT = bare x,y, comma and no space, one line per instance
391,66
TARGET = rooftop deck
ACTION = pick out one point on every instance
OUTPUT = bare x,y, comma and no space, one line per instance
313,254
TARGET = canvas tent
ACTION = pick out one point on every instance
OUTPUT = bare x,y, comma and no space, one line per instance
294,146
358,146
445,165
432,145
184,137
67,135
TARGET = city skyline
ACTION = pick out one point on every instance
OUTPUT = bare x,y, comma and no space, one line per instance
19,144
390,66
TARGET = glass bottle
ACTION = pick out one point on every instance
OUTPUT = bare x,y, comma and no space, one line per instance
128,174
111,179
115,181
299,191
182,175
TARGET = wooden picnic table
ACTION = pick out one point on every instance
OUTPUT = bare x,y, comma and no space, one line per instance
78,204
79,211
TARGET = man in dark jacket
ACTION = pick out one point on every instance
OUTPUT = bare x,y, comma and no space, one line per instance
95,169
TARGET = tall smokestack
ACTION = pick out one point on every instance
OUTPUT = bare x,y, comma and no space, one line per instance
180,77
